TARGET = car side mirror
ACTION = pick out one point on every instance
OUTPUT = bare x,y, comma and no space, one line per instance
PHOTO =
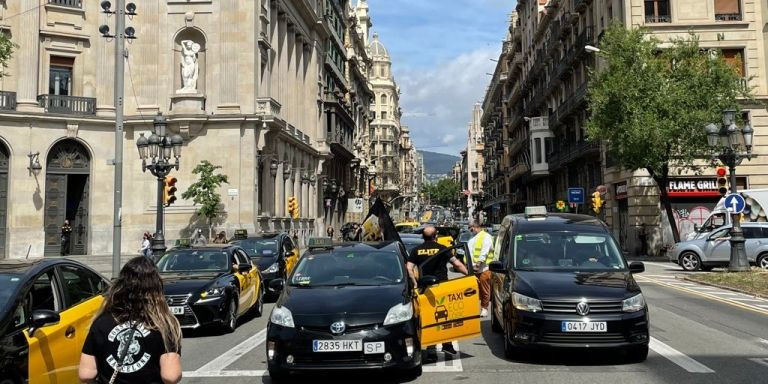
244,267
636,267
290,254
427,281
42,318
696,228
276,285
497,267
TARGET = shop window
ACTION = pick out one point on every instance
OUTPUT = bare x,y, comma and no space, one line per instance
657,11
60,76
727,10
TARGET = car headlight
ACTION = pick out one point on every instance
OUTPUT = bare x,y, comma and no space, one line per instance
282,316
212,292
633,304
399,313
273,268
525,303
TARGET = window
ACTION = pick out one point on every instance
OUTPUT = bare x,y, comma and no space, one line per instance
384,115
241,258
383,99
60,76
537,144
43,294
80,285
727,10
735,58
657,11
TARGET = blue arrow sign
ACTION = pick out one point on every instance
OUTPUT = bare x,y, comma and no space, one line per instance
734,203
576,195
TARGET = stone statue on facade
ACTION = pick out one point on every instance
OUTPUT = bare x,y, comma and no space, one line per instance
189,66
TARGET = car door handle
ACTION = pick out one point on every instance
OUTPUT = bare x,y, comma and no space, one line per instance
70,332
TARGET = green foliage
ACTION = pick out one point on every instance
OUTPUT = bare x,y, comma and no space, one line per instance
205,191
6,51
445,192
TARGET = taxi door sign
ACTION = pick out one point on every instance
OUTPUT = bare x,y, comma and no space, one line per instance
450,311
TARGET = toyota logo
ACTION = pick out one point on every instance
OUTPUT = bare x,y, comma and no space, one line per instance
582,308
338,327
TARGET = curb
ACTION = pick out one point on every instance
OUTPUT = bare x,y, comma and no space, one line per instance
758,295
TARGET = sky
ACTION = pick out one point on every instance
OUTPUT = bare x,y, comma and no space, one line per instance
441,53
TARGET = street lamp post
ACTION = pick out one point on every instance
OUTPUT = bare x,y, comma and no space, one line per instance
731,147
158,149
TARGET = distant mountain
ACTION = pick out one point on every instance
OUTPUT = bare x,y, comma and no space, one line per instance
438,163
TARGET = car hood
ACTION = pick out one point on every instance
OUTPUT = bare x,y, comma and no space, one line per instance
184,284
575,285
356,306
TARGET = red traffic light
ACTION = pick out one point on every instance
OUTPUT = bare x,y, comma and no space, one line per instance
721,171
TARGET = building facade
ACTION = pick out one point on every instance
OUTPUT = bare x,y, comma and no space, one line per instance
534,112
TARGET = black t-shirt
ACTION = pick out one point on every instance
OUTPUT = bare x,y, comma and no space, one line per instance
423,252
141,363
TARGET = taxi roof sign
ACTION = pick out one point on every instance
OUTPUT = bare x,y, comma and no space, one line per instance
536,211
241,234
320,242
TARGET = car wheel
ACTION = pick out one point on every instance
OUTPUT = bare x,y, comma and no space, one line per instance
413,373
277,374
638,354
230,322
495,326
509,350
260,302
690,261
762,261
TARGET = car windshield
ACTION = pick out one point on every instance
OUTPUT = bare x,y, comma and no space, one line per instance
9,282
194,261
259,248
465,236
566,251
411,243
349,267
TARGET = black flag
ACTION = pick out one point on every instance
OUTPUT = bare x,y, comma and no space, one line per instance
377,225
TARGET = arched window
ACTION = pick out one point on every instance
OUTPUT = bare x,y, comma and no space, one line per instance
384,99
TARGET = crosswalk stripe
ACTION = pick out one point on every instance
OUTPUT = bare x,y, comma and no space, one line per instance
678,357
441,366
229,357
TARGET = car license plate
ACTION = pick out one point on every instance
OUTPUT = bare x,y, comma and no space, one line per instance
584,326
177,310
373,348
337,345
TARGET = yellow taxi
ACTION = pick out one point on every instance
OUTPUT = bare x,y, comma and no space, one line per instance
406,226
47,308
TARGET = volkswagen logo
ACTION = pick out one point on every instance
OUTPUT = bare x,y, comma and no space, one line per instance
169,301
582,308
338,327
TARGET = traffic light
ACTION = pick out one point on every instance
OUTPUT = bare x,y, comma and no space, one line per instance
722,181
597,202
169,190
293,207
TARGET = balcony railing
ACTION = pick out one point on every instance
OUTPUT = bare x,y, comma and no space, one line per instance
658,19
566,154
67,3
68,105
728,17
7,100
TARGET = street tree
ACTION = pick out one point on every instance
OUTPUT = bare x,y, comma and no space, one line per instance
205,192
6,51
444,192
652,102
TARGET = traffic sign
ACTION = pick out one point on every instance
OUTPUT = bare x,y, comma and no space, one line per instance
734,203
576,195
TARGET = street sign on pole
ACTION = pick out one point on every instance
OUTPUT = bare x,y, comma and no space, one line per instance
576,195
735,203
355,205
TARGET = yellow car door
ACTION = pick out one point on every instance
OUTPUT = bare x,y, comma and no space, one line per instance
247,295
291,256
449,310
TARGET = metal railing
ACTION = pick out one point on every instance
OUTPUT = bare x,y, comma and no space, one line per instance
7,100
68,105
658,19
67,3
728,17
566,154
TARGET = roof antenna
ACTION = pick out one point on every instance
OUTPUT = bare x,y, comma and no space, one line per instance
28,250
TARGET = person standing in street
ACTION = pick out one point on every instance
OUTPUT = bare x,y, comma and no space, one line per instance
135,338
198,239
146,245
481,248
426,251
66,235
221,238
329,231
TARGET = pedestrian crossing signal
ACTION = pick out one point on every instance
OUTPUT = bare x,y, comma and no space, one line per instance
169,190
722,181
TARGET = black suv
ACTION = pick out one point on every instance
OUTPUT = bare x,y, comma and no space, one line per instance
560,280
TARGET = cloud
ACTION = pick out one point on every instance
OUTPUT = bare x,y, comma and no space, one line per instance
449,138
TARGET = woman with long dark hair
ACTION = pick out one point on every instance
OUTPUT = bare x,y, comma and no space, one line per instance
135,338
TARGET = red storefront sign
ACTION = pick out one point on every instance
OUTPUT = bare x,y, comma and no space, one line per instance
620,191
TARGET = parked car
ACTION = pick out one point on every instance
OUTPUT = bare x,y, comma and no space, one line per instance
714,250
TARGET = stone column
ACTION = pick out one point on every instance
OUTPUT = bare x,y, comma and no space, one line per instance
28,54
105,77
230,37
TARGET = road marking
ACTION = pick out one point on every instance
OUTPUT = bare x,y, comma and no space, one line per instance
760,360
678,357
441,366
187,374
713,296
660,264
218,364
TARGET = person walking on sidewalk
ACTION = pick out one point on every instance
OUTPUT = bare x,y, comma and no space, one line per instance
135,338
481,248
199,239
146,245
221,238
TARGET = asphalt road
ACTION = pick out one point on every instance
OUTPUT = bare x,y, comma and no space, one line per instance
699,335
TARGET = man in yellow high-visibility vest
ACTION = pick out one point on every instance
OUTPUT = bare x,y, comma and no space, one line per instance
481,248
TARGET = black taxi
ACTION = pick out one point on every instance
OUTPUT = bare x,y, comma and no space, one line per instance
561,281
354,306
211,284
45,305
275,254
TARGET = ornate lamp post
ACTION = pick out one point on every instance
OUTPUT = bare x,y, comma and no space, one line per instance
158,149
731,145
